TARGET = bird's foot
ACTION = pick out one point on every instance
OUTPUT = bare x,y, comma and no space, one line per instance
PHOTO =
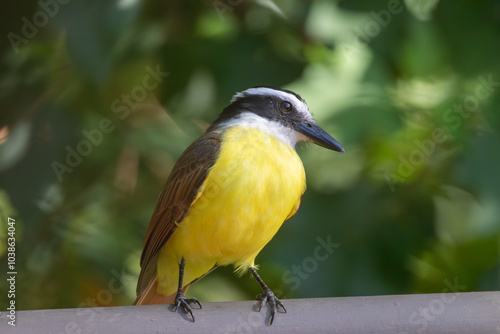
268,296
182,301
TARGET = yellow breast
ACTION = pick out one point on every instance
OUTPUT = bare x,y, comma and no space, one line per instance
254,186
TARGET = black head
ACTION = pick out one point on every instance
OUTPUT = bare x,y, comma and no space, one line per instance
275,110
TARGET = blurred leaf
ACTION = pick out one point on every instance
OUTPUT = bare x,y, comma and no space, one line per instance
410,89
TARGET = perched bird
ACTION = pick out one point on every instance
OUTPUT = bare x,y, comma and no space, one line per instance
227,196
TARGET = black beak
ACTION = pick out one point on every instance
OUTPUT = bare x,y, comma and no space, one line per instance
319,136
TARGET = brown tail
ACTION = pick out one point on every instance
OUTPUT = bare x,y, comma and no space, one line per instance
150,296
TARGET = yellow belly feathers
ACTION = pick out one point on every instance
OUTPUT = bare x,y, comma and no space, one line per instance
254,186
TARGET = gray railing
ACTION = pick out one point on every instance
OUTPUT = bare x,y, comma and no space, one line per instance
450,313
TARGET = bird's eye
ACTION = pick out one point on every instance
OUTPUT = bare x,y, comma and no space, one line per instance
286,106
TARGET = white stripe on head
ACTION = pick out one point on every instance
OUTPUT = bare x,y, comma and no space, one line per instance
299,104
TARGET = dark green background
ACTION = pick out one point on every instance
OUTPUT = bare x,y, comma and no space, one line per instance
413,204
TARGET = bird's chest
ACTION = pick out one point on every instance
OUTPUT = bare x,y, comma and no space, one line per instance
257,174
255,184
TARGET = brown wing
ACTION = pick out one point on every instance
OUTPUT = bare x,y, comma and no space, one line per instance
179,191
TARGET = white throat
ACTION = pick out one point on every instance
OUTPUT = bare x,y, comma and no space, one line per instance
248,119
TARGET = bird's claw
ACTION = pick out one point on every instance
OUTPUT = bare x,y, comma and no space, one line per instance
268,296
182,301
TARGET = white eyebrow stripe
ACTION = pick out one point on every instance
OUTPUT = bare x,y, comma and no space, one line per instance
267,91
300,105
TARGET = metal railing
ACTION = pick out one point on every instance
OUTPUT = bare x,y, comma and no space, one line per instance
450,313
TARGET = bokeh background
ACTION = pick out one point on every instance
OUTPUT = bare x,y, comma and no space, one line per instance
99,98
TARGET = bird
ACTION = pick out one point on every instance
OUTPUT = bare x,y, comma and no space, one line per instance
227,196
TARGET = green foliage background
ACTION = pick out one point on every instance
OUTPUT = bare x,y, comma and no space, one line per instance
403,85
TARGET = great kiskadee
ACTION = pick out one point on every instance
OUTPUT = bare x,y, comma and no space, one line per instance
227,196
